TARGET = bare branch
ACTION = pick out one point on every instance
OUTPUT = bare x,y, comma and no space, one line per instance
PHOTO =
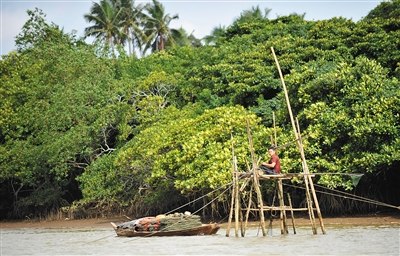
78,165
104,147
161,90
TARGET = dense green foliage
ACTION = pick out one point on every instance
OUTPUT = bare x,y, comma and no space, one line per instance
146,135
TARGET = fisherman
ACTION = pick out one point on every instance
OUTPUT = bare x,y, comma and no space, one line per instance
274,165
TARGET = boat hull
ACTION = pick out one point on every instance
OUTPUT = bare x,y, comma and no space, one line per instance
205,229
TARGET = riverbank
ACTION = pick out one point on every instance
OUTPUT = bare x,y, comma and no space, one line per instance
364,220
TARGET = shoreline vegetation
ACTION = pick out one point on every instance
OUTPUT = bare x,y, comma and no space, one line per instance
88,130
353,220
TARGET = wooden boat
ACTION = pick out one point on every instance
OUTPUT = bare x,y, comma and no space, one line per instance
204,229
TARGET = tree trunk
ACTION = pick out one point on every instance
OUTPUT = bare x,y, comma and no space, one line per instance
160,42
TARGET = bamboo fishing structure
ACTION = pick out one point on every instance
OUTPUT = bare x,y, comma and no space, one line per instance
253,177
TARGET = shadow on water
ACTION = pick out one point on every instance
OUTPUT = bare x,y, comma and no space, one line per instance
382,240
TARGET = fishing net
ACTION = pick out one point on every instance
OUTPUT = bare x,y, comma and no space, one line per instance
179,221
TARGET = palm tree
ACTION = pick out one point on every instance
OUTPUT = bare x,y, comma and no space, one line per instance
107,23
254,14
131,23
156,27
216,34
182,38
194,41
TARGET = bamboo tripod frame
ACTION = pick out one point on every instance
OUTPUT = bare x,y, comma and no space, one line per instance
252,182
255,177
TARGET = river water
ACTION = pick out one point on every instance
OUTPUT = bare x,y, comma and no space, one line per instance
365,240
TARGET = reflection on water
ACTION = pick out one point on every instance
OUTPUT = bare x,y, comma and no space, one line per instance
382,240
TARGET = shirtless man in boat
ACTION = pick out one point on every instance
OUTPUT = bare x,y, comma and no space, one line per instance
274,165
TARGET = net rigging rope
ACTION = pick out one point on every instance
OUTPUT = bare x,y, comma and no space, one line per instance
228,184
348,196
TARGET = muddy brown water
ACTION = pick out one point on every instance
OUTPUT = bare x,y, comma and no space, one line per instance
347,240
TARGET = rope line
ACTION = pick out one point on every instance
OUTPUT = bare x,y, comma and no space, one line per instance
213,199
359,198
320,173
230,184
335,173
348,196
100,239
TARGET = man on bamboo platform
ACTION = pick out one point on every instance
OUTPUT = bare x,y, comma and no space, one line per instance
274,165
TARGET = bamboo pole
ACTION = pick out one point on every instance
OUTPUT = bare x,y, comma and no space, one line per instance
286,93
291,213
308,198
248,208
321,222
244,184
228,228
256,183
309,178
242,231
310,207
284,229
280,211
273,120
260,204
236,201
270,223
306,182
297,136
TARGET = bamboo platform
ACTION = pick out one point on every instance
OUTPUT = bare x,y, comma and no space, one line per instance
283,176
252,181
